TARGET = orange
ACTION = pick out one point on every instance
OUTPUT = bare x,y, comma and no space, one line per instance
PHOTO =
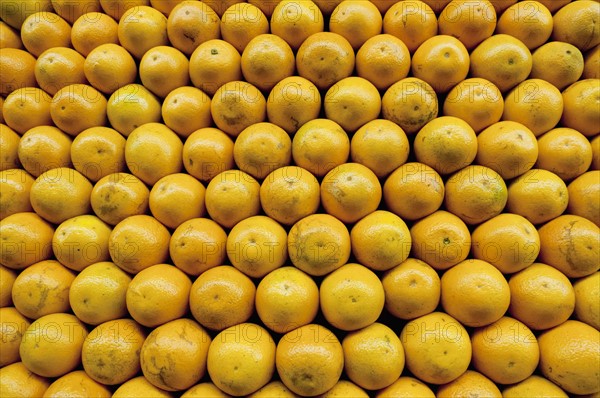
442,61
257,245
570,244
12,327
97,152
153,151
352,102
475,194
77,107
207,152
554,5
162,69
576,23
51,345
411,21
565,349
286,299
9,145
446,143
501,5
529,21
243,374
198,245
535,103
410,103
214,63
164,6
413,190
109,67
111,352
508,241
97,294
71,11
43,30
26,108
441,239
93,29
558,63
318,244
6,283
320,145
471,22
290,193
16,186
412,289
241,22
294,21
186,109
184,339
509,148
327,6
140,387
582,193
15,13
470,382
587,308
292,102
351,297
220,6
261,148
595,153
345,388
380,240
232,196
18,381
505,351
541,296
437,348
309,360
138,242
475,293
477,101
581,107
169,192
272,389
205,390
237,105
118,196
350,191
26,240
116,8
383,60
502,59
222,297
565,152
538,195
534,385
190,24
61,193
9,37
325,58
158,294
356,20
141,28
81,241
406,387
43,148
77,384
373,356
591,64
381,145
17,70
266,60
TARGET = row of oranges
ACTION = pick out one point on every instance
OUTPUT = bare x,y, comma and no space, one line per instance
386,181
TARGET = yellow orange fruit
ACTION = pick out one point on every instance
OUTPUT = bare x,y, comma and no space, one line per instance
266,60
471,22
410,103
294,21
565,152
214,63
292,102
169,192
162,69
413,22
192,23
356,20
529,21
15,185
352,102
26,240
77,107
25,108
12,327
406,387
582,192
131,106
77,384
237,105
141,28
576,23
437,348
580,106
43,30
97,152
241,22
9,144
559,63
43,148
109,67
93,29
140,387
587,308
207,152
118,196
17,70
17,381
534,384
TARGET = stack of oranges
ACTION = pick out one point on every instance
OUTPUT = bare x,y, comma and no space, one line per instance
281,198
